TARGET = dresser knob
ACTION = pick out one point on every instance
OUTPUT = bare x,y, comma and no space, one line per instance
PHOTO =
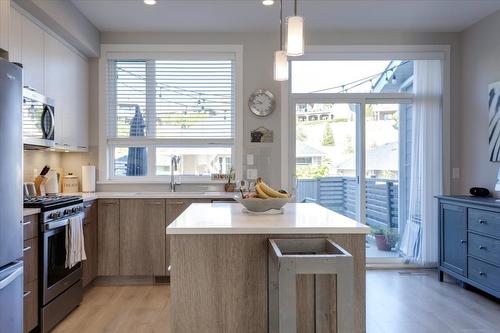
482,273
463,241
482,247
482,222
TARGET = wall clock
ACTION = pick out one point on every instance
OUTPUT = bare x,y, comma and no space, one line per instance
262,102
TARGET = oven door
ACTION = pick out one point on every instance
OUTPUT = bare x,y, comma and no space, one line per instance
56,277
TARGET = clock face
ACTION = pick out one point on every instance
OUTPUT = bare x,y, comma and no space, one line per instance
262,103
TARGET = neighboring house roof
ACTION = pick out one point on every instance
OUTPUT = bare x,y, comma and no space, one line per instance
385,157
304,150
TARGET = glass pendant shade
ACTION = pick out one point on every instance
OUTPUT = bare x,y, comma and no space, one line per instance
295,36
280,66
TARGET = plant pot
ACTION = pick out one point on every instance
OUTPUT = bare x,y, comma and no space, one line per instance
229,187
381,241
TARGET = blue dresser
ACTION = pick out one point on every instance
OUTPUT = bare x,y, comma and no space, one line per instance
469,241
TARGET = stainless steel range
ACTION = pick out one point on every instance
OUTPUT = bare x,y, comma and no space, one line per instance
61,287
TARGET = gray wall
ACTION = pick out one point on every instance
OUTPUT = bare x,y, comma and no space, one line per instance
257,73
480,67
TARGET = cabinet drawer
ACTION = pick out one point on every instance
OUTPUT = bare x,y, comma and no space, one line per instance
30,257
485,274
485,248
30,306
484,221
30,226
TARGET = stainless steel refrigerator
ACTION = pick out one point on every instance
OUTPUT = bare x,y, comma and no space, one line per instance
11,198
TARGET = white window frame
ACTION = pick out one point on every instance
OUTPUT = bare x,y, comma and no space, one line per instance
166,51
364,52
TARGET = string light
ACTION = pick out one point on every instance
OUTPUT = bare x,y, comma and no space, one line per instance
351,85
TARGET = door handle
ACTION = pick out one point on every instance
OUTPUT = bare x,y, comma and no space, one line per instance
27,293
5,282
27,223
27,248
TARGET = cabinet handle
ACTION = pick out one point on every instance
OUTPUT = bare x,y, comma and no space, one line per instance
156,203
482,247
27,293
27,248
482,273
482,222
87,206
176,203
27,223
463,241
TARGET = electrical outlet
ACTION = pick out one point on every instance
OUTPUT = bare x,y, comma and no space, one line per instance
455,173
252,173
250,159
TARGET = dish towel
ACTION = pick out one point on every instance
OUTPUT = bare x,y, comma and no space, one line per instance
75,246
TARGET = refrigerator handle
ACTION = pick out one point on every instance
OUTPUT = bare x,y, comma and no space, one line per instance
5,282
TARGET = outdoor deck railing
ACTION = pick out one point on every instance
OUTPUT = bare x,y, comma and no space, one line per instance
340,195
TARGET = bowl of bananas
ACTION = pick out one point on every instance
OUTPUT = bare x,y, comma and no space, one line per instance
264,199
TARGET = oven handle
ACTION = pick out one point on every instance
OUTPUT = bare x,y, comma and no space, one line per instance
59,223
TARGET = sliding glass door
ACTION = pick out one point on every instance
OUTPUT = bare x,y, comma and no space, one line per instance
354,157
326,163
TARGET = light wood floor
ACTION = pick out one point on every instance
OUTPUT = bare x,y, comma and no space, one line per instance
396,302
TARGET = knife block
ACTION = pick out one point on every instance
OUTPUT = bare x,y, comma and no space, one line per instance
40,185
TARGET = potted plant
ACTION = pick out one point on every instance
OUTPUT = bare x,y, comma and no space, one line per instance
385,239
230,186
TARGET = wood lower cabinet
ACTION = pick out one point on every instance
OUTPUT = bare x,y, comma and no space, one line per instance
108,240
174,208
132,240
30,258
142,242
89,266
30,300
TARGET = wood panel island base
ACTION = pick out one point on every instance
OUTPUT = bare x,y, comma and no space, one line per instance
219,266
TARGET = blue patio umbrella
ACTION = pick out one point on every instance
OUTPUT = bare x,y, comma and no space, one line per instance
137,162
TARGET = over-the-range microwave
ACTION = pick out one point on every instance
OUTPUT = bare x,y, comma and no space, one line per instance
38,120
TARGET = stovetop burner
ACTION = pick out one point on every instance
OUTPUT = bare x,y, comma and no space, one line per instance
51,202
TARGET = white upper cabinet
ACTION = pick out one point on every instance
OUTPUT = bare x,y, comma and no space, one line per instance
4,25
32,54
57,71
66,81
16,37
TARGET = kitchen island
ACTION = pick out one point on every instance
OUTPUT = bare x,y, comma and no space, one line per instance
219,265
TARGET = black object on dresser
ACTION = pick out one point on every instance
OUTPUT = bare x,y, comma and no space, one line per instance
469,241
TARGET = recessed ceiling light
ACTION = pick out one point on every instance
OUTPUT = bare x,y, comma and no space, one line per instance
150,2
268,2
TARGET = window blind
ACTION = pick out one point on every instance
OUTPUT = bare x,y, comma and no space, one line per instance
171,99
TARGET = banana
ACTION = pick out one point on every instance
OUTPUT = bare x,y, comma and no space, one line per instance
269,191
260,193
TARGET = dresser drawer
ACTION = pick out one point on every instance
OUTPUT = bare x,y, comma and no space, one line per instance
484,221
30,306
30,226
485,248
30,257
485,274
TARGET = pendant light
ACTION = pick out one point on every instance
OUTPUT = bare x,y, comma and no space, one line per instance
280,57
295,34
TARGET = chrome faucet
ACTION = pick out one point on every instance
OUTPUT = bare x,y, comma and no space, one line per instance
174,163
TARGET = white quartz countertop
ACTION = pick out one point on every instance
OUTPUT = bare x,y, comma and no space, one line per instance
228,218
154,195
30,211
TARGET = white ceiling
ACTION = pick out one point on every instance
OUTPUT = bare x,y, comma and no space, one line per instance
251,15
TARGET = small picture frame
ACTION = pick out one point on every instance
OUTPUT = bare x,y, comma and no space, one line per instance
262,135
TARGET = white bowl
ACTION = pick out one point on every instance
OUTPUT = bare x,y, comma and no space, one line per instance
262,205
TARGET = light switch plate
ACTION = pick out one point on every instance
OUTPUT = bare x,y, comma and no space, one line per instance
252,173
455,173
250,160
